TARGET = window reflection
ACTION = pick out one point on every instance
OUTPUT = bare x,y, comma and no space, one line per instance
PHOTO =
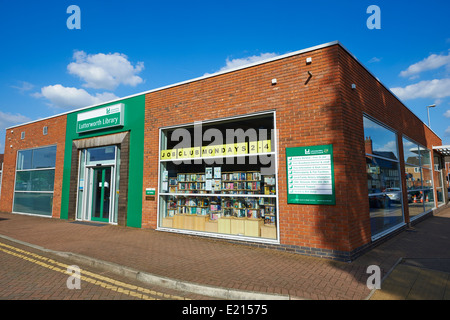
379,141
44,158
413,177
383,177
34,182
411,152
419,179
107,153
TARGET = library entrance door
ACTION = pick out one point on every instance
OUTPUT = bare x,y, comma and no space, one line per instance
101,193
97,186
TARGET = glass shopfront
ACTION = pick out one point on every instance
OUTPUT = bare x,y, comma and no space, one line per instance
219,178
419,178
35,178
383,177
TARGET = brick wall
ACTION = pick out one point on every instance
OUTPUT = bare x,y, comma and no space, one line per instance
34,138
320,110
307,113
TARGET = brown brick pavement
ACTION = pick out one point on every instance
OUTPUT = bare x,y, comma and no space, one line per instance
27,273
222,264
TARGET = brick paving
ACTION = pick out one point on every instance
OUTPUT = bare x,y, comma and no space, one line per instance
27,273
219,263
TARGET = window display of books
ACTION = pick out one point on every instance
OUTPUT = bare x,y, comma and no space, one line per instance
217,201
171,206
192,205
269,210
173,185
190,183
269,184
242,182
217,207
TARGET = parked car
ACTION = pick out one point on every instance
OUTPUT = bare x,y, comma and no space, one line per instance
379,201
394,194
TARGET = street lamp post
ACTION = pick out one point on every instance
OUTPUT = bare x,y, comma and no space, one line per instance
428,111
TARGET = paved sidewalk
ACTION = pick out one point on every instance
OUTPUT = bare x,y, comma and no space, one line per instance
235,271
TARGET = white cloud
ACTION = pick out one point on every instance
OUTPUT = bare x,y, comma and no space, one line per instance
390,146
105,71
9,119
447,131
68,97
235,63
374,59
447,114
24,86
432,62
436,89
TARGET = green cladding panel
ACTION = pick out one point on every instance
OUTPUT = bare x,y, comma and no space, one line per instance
130,117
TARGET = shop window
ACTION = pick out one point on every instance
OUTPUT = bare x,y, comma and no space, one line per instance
419,178
383,178
34,184
219,178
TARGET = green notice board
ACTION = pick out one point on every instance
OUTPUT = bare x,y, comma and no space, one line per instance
310,175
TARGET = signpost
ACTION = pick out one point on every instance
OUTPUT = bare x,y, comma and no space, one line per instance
310,175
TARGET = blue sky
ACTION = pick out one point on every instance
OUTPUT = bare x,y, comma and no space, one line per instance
127,47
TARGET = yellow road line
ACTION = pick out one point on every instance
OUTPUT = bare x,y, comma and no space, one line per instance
113,284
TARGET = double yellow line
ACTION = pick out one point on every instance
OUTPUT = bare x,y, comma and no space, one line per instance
87,276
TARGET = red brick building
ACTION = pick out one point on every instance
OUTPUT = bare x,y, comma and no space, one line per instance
306,152
48,132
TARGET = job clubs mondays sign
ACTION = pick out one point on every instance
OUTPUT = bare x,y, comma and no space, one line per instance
102,118
310,175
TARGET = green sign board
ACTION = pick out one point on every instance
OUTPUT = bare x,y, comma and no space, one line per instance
150,191
310,175
102,118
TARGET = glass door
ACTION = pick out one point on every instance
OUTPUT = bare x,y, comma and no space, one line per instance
101,193
97,184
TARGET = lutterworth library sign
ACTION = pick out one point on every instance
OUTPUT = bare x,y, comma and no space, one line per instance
108,117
